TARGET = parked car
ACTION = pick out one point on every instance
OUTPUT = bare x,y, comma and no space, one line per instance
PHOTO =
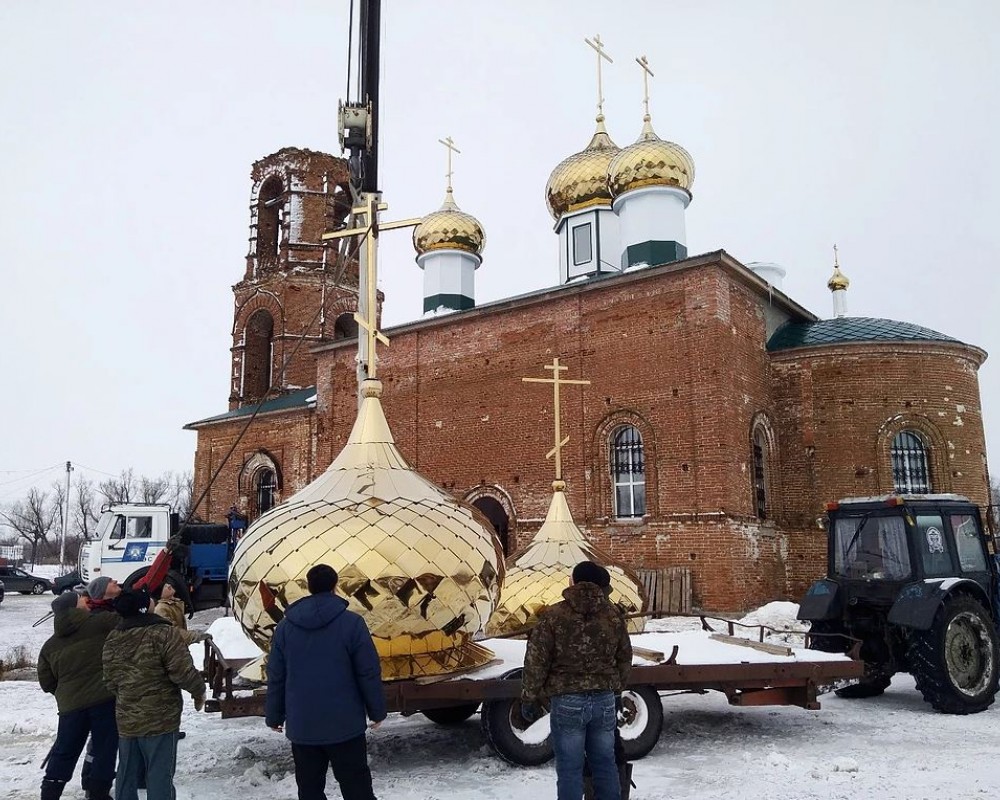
1,591
66,582
17,580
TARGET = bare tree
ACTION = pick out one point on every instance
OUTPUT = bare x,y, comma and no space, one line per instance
122,489
31,519
154,490
85,509
181,493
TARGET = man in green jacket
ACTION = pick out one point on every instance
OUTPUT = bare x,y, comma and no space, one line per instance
146,664
69,666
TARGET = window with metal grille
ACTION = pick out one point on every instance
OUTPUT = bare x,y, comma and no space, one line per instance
267,484
759,474
628,472
910,474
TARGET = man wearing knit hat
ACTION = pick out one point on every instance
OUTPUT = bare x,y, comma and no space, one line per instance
102,593
69,666
579,657
146,665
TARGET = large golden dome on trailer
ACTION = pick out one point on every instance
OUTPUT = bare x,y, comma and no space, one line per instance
423,569
581,180
537,575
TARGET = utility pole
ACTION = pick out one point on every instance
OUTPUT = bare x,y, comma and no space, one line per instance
65,525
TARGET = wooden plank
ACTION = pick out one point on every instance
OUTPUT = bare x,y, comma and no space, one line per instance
649,655
764,647
425,680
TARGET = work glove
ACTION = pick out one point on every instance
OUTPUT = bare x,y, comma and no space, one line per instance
531,712
199,702
619,708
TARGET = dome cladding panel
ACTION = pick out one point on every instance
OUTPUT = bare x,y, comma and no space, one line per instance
651,162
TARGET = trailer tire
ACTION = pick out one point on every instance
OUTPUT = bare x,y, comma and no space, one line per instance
640,721
503,728
955,662
451,715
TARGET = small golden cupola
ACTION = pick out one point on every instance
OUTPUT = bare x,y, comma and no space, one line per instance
579,200
449,244
650,183
537,574
838,284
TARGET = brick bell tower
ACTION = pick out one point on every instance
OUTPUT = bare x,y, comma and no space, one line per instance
294,281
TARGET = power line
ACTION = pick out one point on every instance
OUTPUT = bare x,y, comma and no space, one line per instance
32,475
92,469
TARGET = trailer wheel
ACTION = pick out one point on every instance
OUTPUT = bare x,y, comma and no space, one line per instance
510,736
452,715
640,721
955,662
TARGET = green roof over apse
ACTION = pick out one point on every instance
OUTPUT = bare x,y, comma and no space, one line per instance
850,329
301,398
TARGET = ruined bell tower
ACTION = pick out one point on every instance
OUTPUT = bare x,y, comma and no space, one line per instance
294,283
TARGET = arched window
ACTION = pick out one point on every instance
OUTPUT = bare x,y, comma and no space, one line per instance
910,474
628,472
265,484
498,518
759,444
258,354
345,327
269,219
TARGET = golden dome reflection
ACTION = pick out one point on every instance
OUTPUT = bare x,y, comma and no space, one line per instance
838,280
449,228
581,180
651,161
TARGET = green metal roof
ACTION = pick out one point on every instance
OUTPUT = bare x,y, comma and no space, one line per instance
300,398
850,329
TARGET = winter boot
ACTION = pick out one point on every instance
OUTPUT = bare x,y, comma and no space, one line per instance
98,791
52,790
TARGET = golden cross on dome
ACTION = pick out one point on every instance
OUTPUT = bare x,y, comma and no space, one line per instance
556,382
836,257
647,73
448,143
368,226
598,46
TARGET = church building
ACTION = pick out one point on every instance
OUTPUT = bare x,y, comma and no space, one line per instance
720,416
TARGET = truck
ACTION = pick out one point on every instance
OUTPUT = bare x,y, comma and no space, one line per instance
911,586
129,536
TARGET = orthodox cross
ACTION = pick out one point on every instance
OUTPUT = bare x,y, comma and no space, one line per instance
450,145
598,46
647,73
556,382
367,226
836,258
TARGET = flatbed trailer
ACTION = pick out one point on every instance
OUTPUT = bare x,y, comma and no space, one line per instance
495,690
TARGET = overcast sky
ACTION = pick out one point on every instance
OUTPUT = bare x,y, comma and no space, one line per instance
127,132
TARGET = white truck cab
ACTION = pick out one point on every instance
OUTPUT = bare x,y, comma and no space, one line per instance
127,539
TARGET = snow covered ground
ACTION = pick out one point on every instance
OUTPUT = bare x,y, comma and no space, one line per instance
891,748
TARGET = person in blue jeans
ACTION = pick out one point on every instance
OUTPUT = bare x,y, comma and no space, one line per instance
579,656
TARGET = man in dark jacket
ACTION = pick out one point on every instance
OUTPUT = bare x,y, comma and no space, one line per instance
146,664
69,666
324,682
579,656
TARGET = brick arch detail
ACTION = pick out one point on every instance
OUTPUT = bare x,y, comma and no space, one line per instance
496,493
761,421
601,459
256,462
937,457
261,299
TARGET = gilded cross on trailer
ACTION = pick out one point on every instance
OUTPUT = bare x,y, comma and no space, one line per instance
647,73
451,149
556,382
367,225
598,46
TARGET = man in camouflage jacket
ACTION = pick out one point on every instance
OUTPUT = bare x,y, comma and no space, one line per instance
578,657
146,664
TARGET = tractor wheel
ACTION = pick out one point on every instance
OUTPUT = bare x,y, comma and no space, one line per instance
641,721
955,662
876,678
452,715
873,683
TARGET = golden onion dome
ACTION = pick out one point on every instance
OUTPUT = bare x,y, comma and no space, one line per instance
838,280
537,575
581,180
651,161
449,228
422,569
